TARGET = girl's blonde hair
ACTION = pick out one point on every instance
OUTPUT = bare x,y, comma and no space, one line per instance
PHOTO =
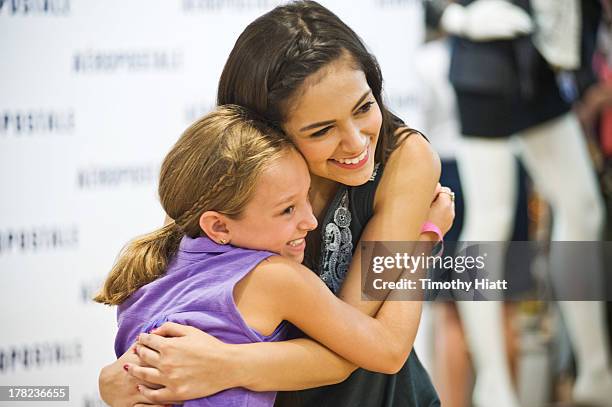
213,166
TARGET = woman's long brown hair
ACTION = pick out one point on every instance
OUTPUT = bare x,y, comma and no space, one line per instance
277,52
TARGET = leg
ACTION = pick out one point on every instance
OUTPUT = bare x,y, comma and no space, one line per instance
488,177
556,156
557,159
512,345
452,373
451,361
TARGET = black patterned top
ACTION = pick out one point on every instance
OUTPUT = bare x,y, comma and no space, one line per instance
343,223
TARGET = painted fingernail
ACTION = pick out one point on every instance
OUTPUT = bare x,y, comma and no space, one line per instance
135,350
126,367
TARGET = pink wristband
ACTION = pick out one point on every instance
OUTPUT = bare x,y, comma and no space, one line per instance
439,246
431,227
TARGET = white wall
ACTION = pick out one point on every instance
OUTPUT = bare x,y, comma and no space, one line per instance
92,96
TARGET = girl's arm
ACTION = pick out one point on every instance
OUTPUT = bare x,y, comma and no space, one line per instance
286,290
414,169
125,393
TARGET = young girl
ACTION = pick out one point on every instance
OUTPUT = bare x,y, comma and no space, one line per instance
238,192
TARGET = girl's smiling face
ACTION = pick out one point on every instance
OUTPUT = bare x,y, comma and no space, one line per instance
334,120
279,215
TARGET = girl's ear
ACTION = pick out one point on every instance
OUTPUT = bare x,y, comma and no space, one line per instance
214,224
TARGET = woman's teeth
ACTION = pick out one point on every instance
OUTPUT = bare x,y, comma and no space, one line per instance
353,160
296,242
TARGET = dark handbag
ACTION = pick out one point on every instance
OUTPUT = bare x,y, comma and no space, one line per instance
484,67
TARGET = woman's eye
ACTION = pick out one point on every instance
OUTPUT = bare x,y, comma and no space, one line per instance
321,132
289,210
365,107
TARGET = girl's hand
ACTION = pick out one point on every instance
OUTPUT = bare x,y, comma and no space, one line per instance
187,362
442,210
119,389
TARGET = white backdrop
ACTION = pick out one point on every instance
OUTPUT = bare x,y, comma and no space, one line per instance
92,96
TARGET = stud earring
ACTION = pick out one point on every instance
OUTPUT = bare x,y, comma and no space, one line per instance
223,241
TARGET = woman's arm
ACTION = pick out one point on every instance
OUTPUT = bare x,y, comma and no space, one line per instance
403,202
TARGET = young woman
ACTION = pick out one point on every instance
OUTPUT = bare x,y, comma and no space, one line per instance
373,179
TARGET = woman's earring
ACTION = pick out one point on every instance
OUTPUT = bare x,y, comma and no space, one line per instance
222,241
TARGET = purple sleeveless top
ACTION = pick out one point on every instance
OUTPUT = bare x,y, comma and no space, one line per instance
197,290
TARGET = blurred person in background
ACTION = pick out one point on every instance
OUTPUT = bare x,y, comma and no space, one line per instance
594,107
510,69
438,119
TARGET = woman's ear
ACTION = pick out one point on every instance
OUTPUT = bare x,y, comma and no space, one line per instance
214,224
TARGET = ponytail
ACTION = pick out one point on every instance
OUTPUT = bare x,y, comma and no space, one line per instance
214,166
140,262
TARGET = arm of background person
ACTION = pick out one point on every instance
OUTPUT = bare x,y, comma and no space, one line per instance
486,20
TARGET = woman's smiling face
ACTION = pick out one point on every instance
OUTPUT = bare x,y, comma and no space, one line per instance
334,120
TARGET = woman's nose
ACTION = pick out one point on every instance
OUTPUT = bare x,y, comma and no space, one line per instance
353,142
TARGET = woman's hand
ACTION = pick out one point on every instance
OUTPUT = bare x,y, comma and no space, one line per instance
187,362
119,389
442,210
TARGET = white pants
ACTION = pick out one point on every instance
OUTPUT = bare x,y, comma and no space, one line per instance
556,157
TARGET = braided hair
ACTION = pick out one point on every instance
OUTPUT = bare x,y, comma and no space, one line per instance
214,166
